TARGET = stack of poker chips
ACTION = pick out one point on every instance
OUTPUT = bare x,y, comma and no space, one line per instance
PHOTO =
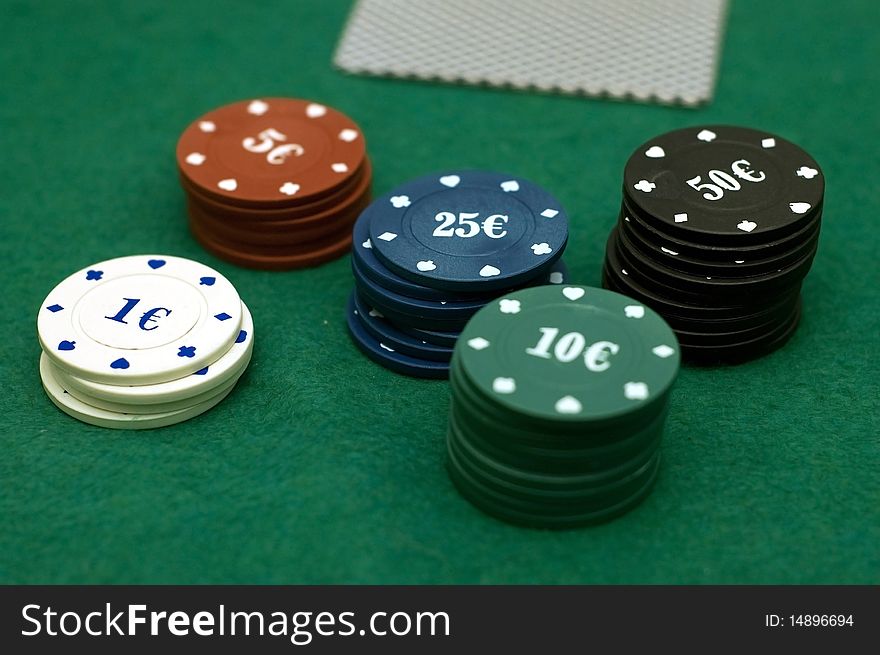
434,251
559,399
274,184
143,342
718,229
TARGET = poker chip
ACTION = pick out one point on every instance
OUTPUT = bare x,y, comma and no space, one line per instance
274,183
467,228
418,311
559,401
718,229
143,341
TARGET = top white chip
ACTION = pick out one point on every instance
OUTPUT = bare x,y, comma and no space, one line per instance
139,320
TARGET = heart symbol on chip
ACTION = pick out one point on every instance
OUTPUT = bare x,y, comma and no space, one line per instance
155,263
706,135
504,385
799,207
634,311
314,110
541,248
228,184
478,343
207,281
202,371
568,405
655,152
67,345
120,363
450,180
195,158
489,271
747,226
426,265
510,185
573,293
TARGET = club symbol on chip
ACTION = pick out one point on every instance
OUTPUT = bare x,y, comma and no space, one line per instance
509,306
509,186
634,311
289,188
806,172
541,248
399,202
426,266
644,186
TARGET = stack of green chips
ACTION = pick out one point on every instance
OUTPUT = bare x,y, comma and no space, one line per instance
559,400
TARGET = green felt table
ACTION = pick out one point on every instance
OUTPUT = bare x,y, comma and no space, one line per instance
325,468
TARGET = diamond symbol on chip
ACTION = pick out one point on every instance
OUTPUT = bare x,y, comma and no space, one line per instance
478,343
504,385
207,126
645,186
680,218
388,236
634,311
195,158
550,213
541,248
348,135
568,405
257,107
768,143
635,390
314,110
706,135
807,173
663,351
229,184
398,202
289,188
509,306
339,167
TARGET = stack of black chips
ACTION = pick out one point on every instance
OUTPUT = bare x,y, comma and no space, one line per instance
718,229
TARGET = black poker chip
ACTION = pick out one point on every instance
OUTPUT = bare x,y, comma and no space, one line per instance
718,228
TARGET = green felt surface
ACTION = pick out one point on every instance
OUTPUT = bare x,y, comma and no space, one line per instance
323,467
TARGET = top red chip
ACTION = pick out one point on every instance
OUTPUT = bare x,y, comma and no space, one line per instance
277,151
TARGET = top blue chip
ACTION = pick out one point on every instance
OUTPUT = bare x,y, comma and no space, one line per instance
468,230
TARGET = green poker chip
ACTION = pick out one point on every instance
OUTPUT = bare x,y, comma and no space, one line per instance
569,354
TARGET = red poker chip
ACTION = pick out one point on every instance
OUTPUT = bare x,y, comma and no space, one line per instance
271,152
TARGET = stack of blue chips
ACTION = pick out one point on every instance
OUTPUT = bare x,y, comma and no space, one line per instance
430,254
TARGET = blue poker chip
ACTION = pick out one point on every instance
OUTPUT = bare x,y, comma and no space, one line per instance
385,355
365,261
452,313
435,337
385,332
467,231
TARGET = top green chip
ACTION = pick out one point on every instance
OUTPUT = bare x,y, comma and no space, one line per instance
570,353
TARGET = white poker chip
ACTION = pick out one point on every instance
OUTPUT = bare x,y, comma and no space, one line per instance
105,419
156,408
139,320
230,366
